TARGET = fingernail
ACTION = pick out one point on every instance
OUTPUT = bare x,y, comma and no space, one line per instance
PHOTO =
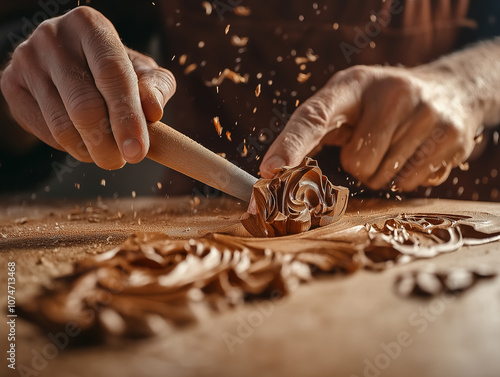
274,162
131,149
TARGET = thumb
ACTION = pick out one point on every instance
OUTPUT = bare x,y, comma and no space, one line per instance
337,103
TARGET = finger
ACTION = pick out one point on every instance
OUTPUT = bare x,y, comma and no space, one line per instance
23,107
30,117
58,122
337,103
21,94
406,139
429,159
156,85
339,136
86,112
385,107
74,109
117,82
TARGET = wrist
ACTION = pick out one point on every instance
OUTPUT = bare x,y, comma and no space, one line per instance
457,87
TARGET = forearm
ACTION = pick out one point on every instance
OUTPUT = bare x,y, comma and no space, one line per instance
474,75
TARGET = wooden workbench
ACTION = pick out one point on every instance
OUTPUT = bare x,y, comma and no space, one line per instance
337,325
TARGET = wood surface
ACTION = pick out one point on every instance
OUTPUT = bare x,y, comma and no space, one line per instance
337,325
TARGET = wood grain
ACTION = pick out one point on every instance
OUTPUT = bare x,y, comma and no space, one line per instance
176,151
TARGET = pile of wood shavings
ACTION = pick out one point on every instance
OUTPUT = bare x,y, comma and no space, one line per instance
150,282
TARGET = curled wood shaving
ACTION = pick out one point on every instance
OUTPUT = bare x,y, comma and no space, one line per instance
303,77
258,90
244,151
295,200
151,282
231,75
239,42
218,126
182,59
190,68
208,7
242,11
431,282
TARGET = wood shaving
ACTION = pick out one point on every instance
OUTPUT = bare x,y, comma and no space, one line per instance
231,75
303,77
208,7
258,90
239,42
190,68
295,200
152,282
182,59
244,152
242,11
228,135
431,282
218,126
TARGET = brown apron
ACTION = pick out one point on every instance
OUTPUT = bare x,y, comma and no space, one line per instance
287,38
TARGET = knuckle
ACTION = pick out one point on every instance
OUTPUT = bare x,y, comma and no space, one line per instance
166,81
6,82
82,13
149,61
315,111
45,32
356,73
84,105
61,126
401,87
23,54
111,70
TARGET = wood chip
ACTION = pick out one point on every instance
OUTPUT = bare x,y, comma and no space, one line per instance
190,68
218,126
242,11
231,75
258,90
208,7
228,135
303,77
244,152
239,42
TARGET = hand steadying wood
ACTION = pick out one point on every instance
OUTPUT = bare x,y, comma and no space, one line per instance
176,151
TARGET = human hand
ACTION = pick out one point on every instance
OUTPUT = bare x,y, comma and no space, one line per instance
396,126
76,87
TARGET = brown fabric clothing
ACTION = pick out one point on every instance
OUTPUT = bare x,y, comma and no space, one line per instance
334,35
278,32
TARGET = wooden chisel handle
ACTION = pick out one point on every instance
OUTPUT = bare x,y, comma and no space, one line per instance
176,151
